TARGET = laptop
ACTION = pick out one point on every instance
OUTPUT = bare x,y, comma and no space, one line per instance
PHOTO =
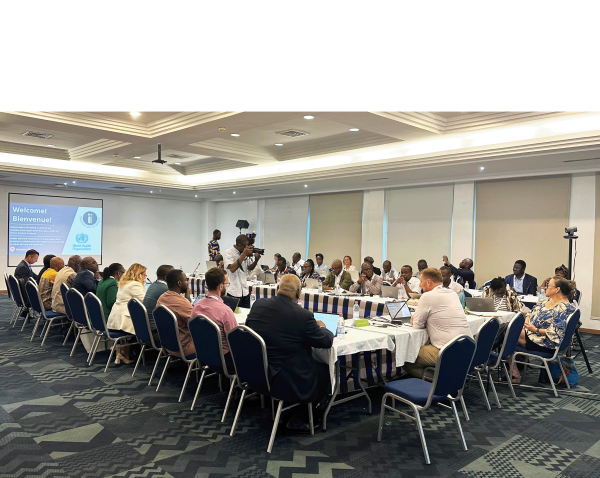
264,268
389,291
476,304
269,278
414,295
231,302
330,321
398,311
210,265
312,284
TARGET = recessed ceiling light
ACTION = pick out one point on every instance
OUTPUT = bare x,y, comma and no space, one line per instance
309,117
306,185
481,168
73,182
150,192
177,163
196,196
136,157
278,144
65,184
134,113
234,134
353,129
160,190
233,192
51,146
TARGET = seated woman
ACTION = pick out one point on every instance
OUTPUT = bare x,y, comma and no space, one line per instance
505,299
348,264
544,328
560,271
131,286
308,272
47,259
109,286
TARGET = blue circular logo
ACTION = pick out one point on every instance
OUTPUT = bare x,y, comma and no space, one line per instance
89,218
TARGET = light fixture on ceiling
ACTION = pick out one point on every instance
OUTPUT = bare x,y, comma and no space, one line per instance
233,192
234,134
195,195
309,117
65,184
135,114
178,164
353,129
160,190
306,185
51,146
151,192
136,157
481,168
73,182
278,144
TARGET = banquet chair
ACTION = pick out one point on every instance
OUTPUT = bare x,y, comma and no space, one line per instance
166,323
97,321
18,304
209,349
17,296
249,354
453,363
485,341
47,316
79,315
143,332
546,357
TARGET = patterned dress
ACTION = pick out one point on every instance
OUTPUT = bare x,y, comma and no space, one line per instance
553,320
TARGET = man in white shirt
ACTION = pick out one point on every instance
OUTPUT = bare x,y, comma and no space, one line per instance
407,282
389,274
421,265
238,261
447,280
297,263
440,312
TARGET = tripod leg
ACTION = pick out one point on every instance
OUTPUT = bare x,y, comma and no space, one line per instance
582,348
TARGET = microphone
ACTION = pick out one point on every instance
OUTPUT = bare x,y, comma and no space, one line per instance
194,273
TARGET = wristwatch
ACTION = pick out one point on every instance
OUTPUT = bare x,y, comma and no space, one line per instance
537,332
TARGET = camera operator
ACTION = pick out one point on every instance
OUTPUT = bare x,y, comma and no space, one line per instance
238,261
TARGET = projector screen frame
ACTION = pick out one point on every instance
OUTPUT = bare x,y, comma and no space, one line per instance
41,264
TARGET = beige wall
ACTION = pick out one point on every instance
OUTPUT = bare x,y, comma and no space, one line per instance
596,281
521,219
336,226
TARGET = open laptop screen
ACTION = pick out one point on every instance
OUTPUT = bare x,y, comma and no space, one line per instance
398,309
330,321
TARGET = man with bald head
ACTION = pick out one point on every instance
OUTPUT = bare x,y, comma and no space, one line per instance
67,276
337,276
463,273
290,332
88,276
47,281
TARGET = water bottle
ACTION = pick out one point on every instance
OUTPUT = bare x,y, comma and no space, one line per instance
356,310
254,280
341,327
320,286
337,289
542,293
252,299
467,285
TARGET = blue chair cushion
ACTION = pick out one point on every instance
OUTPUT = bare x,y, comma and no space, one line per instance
414,390
118,333
548,355
50,314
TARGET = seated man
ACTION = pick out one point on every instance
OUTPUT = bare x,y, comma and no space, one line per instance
439,311
320,267
88,276
289,333
371,261
336,277
177,283
389,273
47,281
463,274
283,268
407,281
520,282
448,283
368,282
46,261
214,308
421,265
66,275
297,263
24,270
156,289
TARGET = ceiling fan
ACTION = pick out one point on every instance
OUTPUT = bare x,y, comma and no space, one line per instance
159,160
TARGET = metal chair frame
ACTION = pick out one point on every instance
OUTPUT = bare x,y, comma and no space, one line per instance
18,308
79,325
418,408
37,305
483,367
144,342
17,296
244,386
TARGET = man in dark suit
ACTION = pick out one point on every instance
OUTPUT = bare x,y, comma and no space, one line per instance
88,277
23,270
290,332
520,282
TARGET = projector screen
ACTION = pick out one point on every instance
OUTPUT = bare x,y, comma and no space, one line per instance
62,226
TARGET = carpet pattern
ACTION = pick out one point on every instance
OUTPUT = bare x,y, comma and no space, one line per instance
60,418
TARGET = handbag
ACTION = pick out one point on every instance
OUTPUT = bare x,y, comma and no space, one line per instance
572,376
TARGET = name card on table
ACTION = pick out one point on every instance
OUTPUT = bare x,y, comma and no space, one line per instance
361,322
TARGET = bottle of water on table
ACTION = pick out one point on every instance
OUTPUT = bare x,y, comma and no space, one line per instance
467,285
341,327
320,286
252,299
356,310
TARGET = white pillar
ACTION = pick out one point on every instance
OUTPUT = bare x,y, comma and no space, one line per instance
582,215
463,223
372,225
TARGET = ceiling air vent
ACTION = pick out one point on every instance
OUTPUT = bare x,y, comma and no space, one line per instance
578,160
292,133
60,185
33,134
260,190
177,156
120,188
378,179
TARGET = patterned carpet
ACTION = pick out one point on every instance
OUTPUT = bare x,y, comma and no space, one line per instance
61,418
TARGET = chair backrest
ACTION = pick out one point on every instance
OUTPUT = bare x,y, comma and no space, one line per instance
453,364
8,291
95,313
249,354
77,307
166,324
485,341
207,340
15,290
572,322
513,331
34,297
139,318
63,292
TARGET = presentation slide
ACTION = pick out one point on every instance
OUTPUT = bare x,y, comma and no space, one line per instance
63,226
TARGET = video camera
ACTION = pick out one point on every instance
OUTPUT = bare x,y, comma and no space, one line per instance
251,238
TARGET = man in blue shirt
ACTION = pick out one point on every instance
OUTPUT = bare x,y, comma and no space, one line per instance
463,273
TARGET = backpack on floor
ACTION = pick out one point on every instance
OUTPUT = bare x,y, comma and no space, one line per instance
570,371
